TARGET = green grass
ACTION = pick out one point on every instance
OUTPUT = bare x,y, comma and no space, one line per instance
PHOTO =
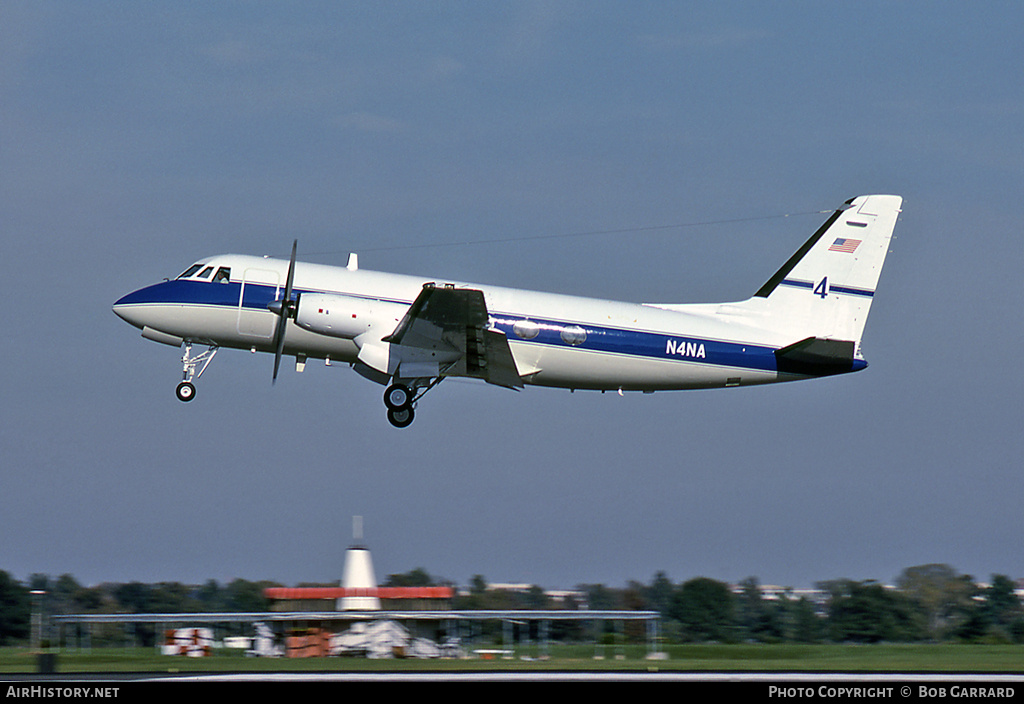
730,658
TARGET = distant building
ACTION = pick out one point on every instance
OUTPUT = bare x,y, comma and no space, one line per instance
359,591
559,598
389,598
359,582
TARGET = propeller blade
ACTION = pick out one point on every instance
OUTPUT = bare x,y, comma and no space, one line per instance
279,347
283,308
291,276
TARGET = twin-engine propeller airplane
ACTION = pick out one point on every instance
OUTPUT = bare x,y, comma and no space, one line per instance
408,333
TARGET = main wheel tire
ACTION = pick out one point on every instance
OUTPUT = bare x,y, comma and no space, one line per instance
401,417
397,397
186,391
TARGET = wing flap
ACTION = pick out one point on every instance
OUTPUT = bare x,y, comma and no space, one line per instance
445,333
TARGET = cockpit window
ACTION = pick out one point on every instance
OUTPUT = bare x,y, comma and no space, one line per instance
223,275
191,270
205,273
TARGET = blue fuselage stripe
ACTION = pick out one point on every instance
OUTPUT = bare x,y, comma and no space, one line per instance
602,339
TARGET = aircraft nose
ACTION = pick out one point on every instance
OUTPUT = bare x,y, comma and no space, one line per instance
132,308
127,312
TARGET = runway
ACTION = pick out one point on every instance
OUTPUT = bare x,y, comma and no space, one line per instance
769,684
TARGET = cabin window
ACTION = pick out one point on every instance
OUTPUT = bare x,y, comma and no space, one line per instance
223,275
191,270
526,329
574,335
205,273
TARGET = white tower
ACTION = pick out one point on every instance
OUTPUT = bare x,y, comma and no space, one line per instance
358,574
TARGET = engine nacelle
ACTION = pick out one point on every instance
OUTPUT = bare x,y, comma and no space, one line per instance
337,315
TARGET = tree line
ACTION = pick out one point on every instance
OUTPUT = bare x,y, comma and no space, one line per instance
64,595
927,603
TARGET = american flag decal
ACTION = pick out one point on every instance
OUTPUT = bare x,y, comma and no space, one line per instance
843,244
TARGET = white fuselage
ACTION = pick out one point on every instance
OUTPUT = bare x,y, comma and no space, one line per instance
556,340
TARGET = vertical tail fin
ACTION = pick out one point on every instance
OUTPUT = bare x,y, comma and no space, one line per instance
825,290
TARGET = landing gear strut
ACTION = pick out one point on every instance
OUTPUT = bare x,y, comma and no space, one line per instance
186,390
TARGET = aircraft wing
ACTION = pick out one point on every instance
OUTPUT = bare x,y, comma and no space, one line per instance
445,333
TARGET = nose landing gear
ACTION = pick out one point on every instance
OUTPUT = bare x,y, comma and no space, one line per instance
186,390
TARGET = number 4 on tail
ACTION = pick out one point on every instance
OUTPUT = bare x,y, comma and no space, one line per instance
822,288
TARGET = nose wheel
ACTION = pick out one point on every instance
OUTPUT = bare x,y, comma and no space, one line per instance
186,390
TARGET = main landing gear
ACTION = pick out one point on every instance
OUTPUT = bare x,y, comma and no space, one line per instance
186,390
401,397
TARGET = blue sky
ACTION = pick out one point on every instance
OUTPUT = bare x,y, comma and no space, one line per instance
138,137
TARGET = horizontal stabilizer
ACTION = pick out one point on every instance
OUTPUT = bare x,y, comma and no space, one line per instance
816,356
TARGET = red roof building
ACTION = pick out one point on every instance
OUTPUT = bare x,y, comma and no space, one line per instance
391,598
